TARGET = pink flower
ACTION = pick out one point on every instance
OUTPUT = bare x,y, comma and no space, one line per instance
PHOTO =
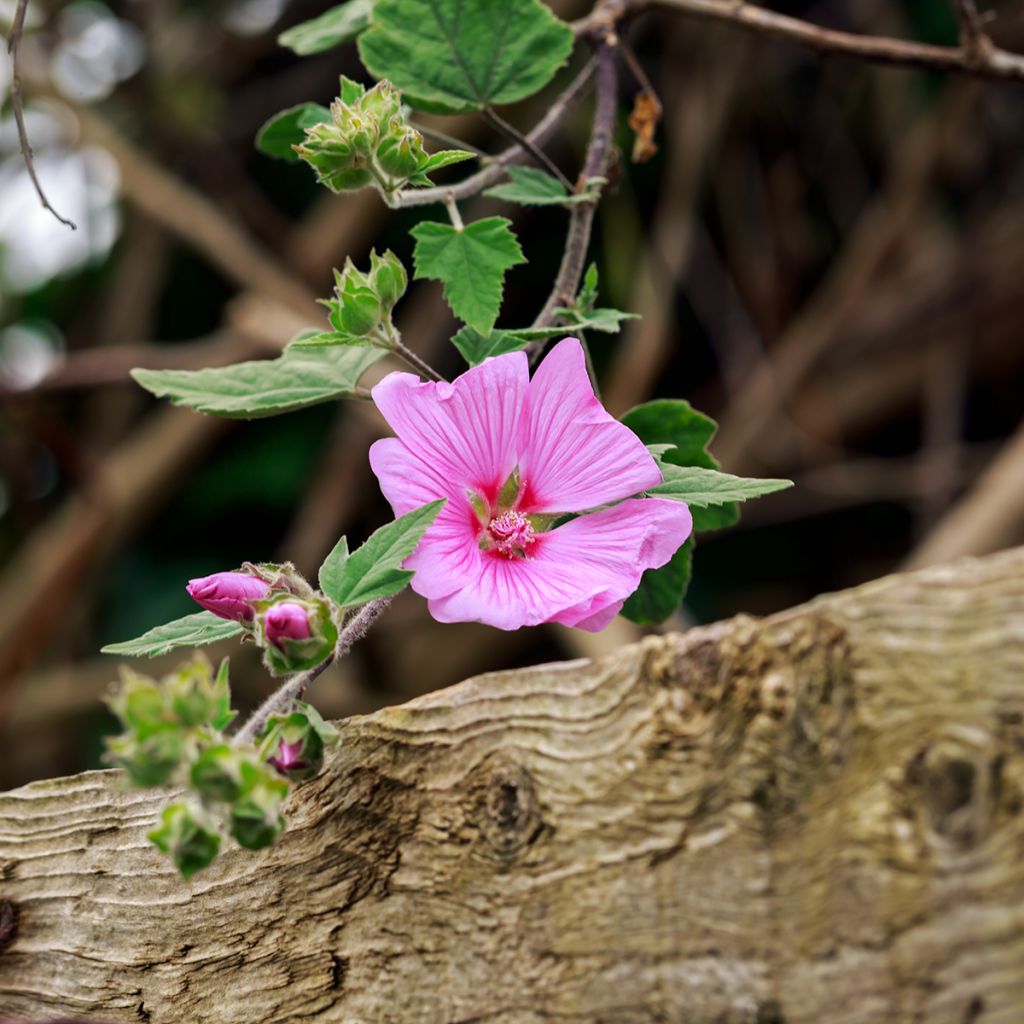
286,620
510,454
228,594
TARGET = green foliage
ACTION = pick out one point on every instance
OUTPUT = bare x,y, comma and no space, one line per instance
191,631
332,28
704,488
296,742
470,262
531,186
255,818
297,378
285,130
374,570
457,55
332,571
188,834
661,590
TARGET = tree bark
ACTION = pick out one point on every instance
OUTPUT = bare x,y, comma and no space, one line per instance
811,819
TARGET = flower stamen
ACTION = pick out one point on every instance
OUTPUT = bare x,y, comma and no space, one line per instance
512,534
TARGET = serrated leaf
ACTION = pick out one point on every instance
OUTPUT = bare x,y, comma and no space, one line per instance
288,128
444,158
706,487
531,186
661,590
190,631
297,378
674,422
463,54
328,339
374,570
470,263
332,28
332,571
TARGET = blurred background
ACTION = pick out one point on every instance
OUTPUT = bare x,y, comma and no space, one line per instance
828,258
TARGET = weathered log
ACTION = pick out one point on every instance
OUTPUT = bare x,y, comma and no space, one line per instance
814,818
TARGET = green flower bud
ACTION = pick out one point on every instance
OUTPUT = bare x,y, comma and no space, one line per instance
383,102
256,819
139,703
217,773
188,835
388,278
295,634
296,742
401,156
149,761
197,697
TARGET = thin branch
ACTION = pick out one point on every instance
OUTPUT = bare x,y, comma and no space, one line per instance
538,154
407,355
452,141
599,153
973,39
495,171
991,62
13,46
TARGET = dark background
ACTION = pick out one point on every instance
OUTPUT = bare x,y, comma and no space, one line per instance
828,258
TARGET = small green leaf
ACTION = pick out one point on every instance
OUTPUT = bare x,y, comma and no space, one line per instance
706,487
328,339
470,263
462,54
332,571
661,590
334,27
607,320
374,570
476,347
444,158
531,186
297,378
288,128
687,433
191,631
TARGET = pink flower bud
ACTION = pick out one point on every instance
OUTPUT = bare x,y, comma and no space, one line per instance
286,620
227,593
288,757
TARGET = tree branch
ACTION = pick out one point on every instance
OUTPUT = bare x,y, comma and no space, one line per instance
985,61
495,171
542,159
13,46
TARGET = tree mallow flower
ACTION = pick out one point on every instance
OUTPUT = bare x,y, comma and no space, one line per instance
513,456
286,620
228,594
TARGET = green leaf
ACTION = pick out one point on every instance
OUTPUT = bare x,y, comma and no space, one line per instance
463,54
531,186
374,570
661,590
329,339
705,487
605,319
445,157
676,423
267,387
332,571
470,263
191,631
475,346
334,27
288,128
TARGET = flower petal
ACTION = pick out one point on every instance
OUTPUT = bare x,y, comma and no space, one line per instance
579,574
406,480
465,430
572,454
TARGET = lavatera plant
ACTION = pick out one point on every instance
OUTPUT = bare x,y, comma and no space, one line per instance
519,499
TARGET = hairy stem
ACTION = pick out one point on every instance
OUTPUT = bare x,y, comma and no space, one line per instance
596,164
293,688
407,355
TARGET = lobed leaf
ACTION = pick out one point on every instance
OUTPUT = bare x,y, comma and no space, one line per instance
288,128
470,263
374,570
191,631
332,28
297,378
530,186
457,55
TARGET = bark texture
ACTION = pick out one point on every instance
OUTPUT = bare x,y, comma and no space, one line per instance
810,819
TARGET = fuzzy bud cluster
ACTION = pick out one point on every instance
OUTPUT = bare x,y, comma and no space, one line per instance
368,141
363,301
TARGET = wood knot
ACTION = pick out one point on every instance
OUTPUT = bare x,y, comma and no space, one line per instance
958,777
8,923
508,815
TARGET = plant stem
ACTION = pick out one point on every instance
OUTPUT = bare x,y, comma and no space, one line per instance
453,212
452,142
596,164
497,121
292,689
407,355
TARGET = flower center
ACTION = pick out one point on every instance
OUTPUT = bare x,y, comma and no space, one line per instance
512,533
